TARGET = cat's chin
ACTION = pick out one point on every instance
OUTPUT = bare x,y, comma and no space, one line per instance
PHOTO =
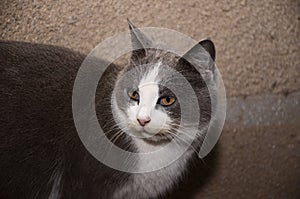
158,138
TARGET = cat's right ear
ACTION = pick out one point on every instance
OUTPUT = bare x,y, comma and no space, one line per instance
138,41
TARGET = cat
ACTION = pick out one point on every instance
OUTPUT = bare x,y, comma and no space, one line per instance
41,154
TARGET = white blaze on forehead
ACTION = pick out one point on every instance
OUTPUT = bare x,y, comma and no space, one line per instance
148,91
150,76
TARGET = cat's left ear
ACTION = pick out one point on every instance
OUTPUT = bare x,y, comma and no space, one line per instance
202,54
209,46
197,50
139,41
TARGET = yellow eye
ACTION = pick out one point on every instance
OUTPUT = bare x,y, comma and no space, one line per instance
167,101
134,95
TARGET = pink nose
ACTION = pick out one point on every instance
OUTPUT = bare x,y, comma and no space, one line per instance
143,121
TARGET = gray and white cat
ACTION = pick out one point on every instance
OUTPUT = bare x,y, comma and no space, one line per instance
41,155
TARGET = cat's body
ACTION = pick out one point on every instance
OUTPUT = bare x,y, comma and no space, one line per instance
41,154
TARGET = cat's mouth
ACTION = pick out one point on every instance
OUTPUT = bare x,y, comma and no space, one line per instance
160,135
148,133
158,139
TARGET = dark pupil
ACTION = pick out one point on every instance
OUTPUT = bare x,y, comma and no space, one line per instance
168,99
134,94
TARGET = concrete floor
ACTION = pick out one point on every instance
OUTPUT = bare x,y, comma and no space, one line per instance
258,48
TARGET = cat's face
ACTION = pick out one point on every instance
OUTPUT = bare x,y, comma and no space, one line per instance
142,103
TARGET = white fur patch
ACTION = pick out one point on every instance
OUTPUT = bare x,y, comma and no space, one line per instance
151,76
148,185
154,184
145,109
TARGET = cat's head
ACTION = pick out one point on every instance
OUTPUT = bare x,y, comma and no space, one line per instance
142,102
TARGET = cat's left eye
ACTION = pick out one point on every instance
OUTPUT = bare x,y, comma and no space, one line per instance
134,95
166,101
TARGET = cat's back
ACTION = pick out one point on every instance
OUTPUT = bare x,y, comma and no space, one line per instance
36,65
36,88
36,83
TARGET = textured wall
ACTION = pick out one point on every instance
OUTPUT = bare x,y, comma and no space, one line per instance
257,41
258,51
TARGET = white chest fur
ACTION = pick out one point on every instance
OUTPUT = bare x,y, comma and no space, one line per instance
153,184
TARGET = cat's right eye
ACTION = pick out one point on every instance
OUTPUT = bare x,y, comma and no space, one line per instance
134,95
